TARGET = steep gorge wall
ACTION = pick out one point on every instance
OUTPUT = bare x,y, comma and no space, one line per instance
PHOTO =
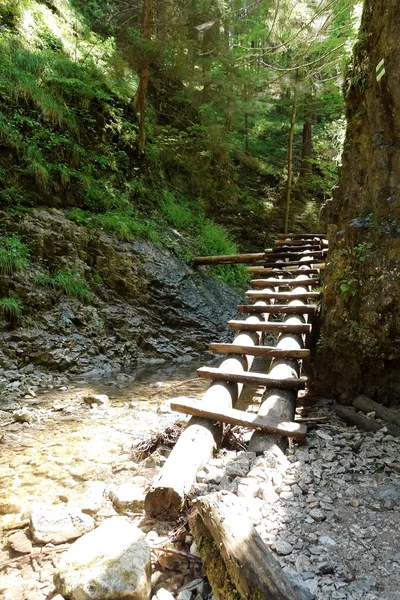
361,321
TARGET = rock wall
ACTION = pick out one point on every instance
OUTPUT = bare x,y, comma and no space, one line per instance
360,348
147,305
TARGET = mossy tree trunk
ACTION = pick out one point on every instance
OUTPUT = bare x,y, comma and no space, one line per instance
144,73
361,321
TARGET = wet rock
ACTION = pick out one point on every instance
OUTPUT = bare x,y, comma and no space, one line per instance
58,524
128,497
110,563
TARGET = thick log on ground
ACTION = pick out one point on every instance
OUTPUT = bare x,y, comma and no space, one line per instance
276,309
292,263
267,351
260,283
269,327
251,568
367,405
349,415
262,295
278,270
291,255
197,443
230,259
239,417
252,379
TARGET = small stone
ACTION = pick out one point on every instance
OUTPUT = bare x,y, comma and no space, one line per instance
171,562
99,399
25,416
113,561
325,540
185,595
325,568
354,502
128,497
57,524
163,594
317,514
20,542
283,548
92,499
307,575
324,435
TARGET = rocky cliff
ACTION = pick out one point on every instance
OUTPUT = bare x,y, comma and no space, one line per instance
361,324
93,304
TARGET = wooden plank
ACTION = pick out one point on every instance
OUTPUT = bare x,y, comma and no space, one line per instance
239,417
246,560
251,379
301,243
277,309
306,236
269,327
288,253
262,271
229,259
258,351
285,282
261,295
293,263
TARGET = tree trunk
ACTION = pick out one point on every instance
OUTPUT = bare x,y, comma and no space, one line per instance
144,74
307,149
290,156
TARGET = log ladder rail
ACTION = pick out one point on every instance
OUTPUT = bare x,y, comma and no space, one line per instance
286,289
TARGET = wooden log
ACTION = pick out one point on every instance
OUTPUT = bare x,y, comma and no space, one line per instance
267,351
305,236
196,444
367,405
262,271
298,243
286,282
252,379
292,263
230,259
263,295
283,253
276,309
269,327
239,417
348,414
250,565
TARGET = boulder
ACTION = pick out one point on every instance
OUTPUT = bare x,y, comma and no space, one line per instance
128,497
110,563
58,524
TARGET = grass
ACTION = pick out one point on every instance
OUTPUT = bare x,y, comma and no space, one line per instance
11,308
127,225
72,284
14,255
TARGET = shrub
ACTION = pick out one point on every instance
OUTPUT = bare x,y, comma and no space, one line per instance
11,308
69,282
13,255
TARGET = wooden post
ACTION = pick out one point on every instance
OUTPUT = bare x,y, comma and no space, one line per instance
290,155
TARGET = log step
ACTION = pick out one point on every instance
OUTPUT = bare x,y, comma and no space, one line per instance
288,253
285,282
298,243
278,309
294,263
263,272
251,379
267,351
305,236
269,327
260,295
239,417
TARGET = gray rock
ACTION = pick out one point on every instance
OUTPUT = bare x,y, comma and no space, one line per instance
58,524
163,594
110,563
185,595
128,497
283,548
317,514
92,499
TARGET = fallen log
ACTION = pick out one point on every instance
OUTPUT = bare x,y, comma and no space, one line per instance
306,309
367,405
246,561
239,417
267,351
252,378
229,259
263,295
350,415
285,282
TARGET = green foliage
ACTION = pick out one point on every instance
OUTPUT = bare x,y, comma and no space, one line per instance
11,308
71,283
14,255
127,225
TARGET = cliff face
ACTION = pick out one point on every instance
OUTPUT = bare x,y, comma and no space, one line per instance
361,321
136,303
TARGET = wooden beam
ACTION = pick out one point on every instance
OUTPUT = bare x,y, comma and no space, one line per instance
267,351
239,417
251,379
277,309
293,263
301,243
240,551
263,271
269,327
306,236
262,295
288,253
230,259
285,282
